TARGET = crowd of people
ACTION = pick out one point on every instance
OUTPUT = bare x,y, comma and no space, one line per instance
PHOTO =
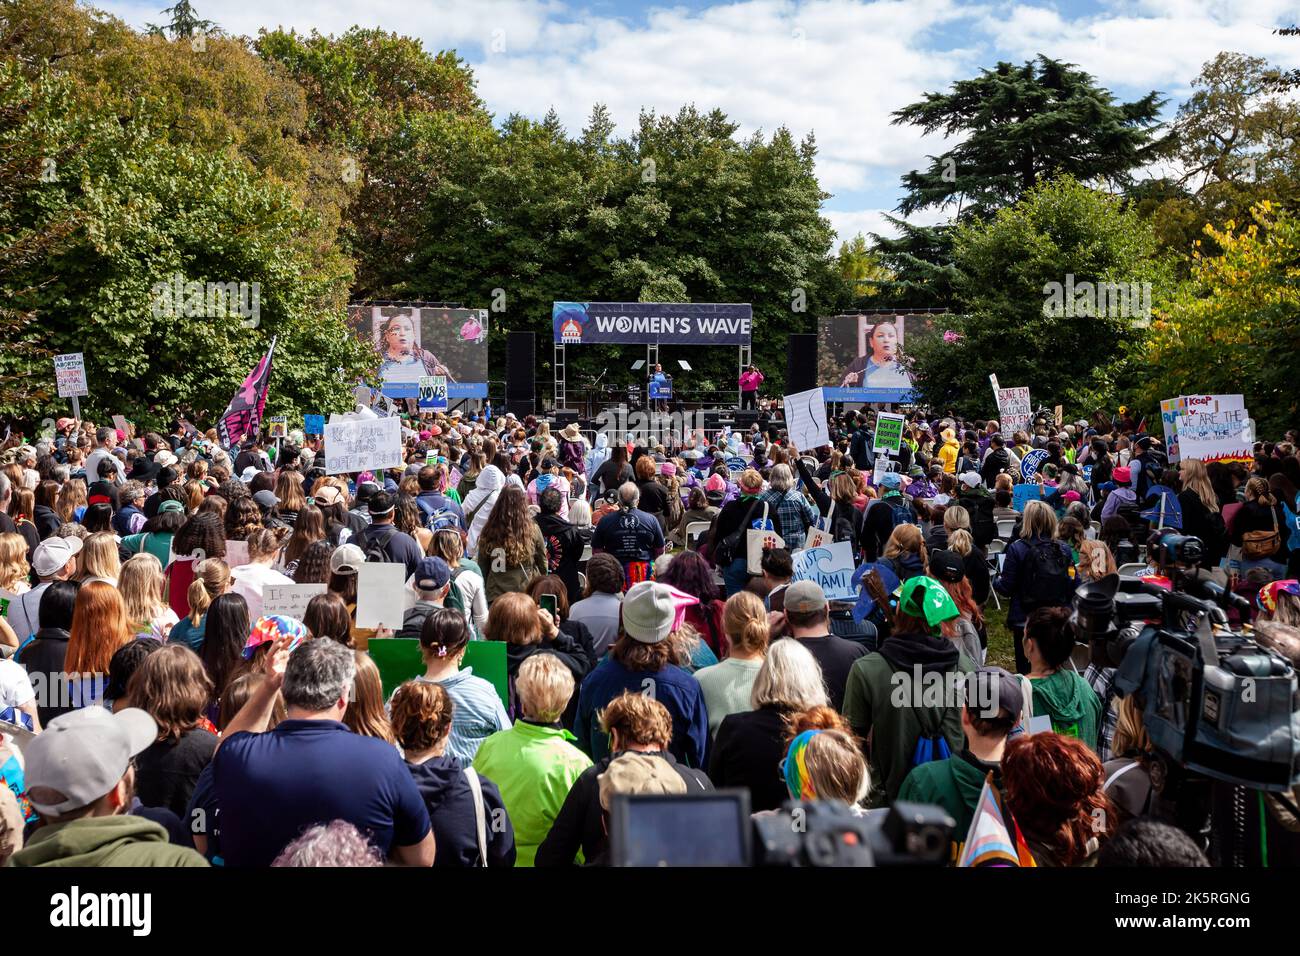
154,715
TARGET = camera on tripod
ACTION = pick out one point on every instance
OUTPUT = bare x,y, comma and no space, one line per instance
716,829
1215,701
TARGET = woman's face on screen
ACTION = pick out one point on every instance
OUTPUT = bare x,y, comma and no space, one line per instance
884,343
399,339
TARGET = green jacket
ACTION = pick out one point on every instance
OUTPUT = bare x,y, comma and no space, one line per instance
534,766
1070,702
104,841
894,729
955,784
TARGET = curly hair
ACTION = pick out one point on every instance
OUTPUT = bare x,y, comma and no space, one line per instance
639,720
421,715
509,527
1053,785
337,843
243,517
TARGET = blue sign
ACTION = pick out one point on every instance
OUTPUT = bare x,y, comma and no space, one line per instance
831,567
1030,464
660,390
1024,493
685,323
736,463
313,424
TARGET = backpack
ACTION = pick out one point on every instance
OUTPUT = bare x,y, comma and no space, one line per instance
931,744
1048,576
725,550
441,519
455,600
902,509
377,550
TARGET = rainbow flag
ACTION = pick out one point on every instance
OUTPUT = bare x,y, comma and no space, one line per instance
989,841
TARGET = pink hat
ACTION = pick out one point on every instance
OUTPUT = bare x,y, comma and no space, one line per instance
1122,474
1071,496
715,483
668,468
426,435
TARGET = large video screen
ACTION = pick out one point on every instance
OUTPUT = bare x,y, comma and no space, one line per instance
864,358
413,341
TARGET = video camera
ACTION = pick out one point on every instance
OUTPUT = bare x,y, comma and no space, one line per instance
1215,701
716,829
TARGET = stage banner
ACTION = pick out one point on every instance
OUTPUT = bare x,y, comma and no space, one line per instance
864,358
414,341
646,323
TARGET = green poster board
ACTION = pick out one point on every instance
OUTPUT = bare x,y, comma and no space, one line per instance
398,660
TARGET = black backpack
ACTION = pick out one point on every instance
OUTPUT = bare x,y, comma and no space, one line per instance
1048,576
377,549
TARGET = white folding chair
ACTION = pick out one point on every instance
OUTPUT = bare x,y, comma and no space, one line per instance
1005,527
1133,568
586,555
695,530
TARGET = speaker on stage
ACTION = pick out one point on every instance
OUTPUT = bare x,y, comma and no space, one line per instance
564,416
746,417
801,364
521,378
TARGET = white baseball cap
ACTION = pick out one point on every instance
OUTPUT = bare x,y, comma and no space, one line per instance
81,755
53,553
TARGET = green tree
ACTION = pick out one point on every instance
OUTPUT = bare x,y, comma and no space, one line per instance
1061,232
1233,325
1013,126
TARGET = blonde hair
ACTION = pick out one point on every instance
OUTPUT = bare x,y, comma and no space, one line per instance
836,768
1194,478
790,677
13,562
211,580
1095,560
904,539
749,478
365,711
544,685
956,518
141,584
1130,732
99,557
961,542
745,622
1040,521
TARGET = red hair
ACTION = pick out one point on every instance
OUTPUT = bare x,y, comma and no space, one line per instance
1053,786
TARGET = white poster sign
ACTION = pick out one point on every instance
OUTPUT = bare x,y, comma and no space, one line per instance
1014,409
805,419
365,445
381,594
70,373
291,600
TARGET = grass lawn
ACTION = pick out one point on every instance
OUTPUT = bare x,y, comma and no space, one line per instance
1001,653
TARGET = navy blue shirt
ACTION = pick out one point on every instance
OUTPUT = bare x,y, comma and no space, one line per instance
630,535
273,786
446,793
400,547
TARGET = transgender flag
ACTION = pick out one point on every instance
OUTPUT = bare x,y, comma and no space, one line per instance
243,416
989,842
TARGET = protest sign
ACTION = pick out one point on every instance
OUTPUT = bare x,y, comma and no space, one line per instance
881,466
381,594
993,380
70,373
433,393
1025,492
889,432
805,419
363,445
236,553
830,567
1032,461
1170,409
1059,414
277,426
1014,409
313,424
1215,428
291,600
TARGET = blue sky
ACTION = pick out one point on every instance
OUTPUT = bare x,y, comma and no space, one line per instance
833,67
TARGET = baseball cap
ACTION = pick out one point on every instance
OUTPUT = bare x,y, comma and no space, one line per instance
805,597
326,494
892,480
971,479
993,685
248,474
81,755
270,628
266,499
52,554
638,773
170,505
947,566
651,610
346,559
431,574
